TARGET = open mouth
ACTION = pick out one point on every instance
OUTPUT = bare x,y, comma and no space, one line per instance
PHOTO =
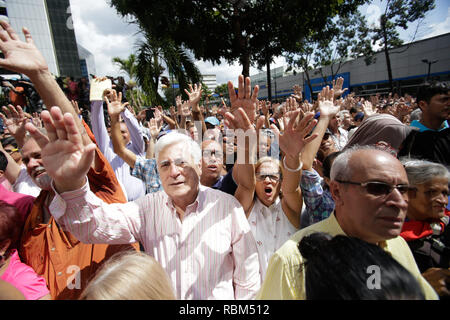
268,191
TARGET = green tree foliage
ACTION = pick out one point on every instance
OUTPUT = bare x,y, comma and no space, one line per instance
397,14
153,57
128,66
249,31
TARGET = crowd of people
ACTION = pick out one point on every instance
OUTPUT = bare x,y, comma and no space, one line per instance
343,197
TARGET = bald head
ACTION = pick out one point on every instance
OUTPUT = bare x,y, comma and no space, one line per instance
360,159
368,203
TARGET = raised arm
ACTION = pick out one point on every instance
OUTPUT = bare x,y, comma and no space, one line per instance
24,57
135,130
238,119
292,142
327,111
115,109
98,121
195,94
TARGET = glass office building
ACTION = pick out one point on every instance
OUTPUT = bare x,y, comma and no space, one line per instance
49,24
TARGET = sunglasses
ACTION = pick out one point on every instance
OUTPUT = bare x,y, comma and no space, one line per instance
379,188
262,177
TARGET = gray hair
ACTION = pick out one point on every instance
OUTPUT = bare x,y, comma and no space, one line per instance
416,115
342,112
422,171
340,170
173,138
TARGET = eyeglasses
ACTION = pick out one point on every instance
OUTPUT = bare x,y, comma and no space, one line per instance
210,153
272,176
379,188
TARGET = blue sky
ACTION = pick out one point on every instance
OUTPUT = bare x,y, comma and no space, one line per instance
100,30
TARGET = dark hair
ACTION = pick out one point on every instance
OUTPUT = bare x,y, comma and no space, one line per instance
429,89
9,140
3,161
327,162
340,268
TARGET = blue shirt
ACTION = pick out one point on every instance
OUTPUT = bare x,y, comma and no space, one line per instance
145,169
318,200
422,128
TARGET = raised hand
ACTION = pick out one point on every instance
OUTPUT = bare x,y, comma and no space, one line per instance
114,103
326,105
154,128
36,120
22,57
368,108
293,139
14,120
244,99
337,87
298,93
185,109
194,94
66,159
75,107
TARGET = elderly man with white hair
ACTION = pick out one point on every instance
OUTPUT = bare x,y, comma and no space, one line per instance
200,236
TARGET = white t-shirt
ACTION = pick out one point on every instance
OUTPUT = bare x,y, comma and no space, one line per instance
271,229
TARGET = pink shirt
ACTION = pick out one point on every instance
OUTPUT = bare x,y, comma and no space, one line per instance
211,254
22,202
23,277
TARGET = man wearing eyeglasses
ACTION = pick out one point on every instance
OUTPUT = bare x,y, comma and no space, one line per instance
370,191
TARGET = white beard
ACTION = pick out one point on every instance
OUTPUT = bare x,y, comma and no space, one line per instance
44,181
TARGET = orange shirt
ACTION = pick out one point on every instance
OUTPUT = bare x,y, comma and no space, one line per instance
65,263
18,99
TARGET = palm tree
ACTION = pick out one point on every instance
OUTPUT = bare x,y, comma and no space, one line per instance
126,65
153,57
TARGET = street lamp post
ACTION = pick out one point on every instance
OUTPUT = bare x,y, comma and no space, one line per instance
429,66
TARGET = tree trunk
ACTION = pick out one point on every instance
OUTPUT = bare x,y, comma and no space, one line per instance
245,62
269,82
308,79
386,53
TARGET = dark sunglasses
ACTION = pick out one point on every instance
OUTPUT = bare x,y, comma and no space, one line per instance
379,188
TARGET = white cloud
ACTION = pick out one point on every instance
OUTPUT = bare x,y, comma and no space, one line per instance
439,28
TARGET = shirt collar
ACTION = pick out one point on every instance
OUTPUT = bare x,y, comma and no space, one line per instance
335,229
195,206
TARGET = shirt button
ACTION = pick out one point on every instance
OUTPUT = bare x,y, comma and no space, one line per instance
59,273
50,225
53,249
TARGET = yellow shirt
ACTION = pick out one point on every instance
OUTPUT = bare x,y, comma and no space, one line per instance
285,281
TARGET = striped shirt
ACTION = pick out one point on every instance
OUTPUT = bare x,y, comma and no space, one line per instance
211,254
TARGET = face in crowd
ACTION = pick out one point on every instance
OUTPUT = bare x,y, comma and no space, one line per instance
375,212
212,160
268,181
178,172
438,107
31,157
427,201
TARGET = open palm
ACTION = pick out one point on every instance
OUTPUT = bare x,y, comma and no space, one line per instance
293,140
66,159
20,56
244,99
